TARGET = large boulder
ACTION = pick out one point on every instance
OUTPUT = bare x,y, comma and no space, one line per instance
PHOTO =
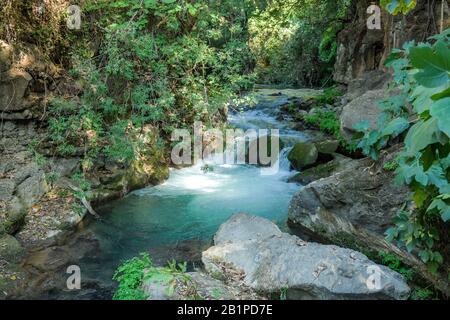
303,155
321,171
327,147
366,197
273,262
363,108
362,196
354,207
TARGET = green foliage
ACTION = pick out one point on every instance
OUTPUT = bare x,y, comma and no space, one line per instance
329,96
161,65
399,6
422,294
328,122
391,166
132,274
396,264
294,41
422,72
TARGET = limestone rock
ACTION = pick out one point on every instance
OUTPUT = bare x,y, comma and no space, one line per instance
6,189
279,261
242,227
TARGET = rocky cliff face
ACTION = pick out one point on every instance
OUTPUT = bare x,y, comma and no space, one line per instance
361,50
36,204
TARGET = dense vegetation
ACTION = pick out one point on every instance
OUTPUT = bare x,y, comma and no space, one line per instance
146,67
295,41
155,70
421,112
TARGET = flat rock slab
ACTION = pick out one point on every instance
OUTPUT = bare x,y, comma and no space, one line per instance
278,262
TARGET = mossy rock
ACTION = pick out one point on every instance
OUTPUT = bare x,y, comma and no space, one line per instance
327,146
315,173
303,155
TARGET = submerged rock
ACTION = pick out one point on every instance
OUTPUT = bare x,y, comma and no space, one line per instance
272,262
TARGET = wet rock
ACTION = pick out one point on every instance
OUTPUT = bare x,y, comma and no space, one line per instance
10,248
321,171
363,108
303,154
189,251
49,259
279,261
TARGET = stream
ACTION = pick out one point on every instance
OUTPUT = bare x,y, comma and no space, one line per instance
177,219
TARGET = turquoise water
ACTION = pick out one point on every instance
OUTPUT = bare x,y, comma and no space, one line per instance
190,206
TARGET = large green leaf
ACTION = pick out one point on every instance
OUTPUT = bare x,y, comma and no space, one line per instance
436,176
396,127
441,111
441,95
442,207
422,97
421,135
434,65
